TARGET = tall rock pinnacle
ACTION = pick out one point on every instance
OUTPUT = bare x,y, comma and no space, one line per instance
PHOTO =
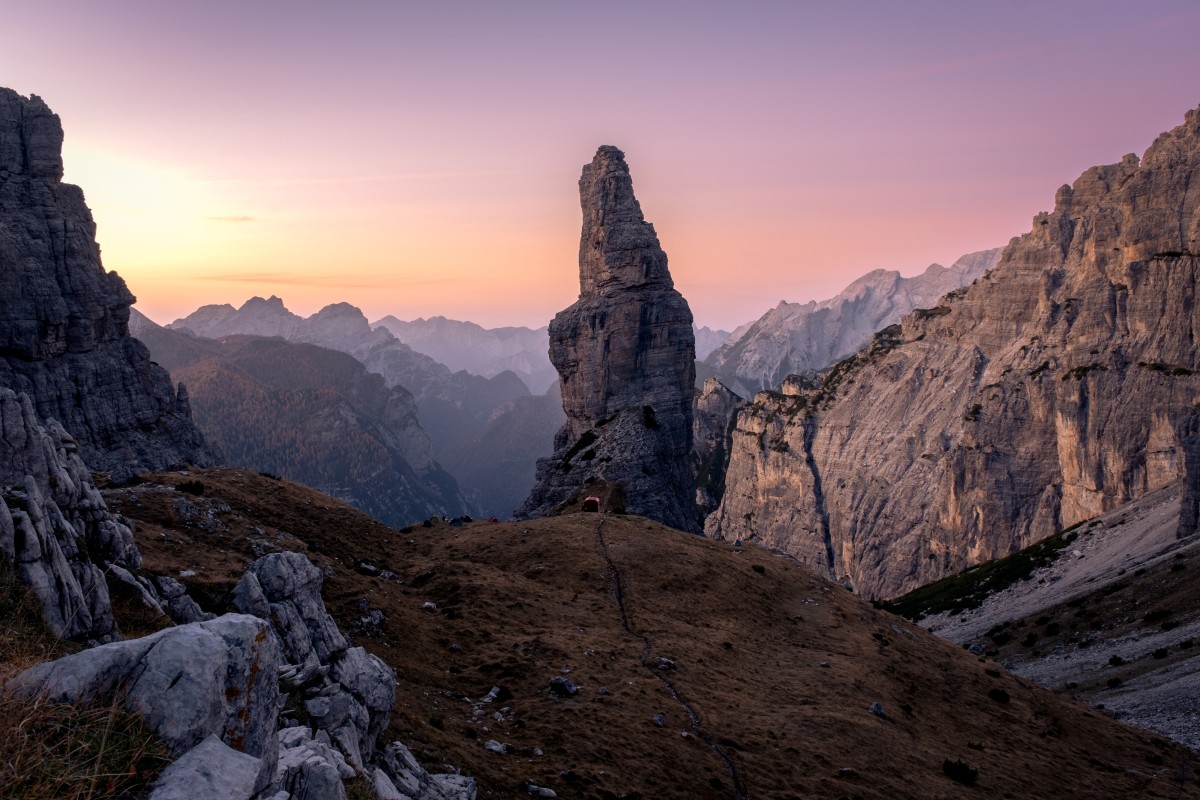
64,320
625,355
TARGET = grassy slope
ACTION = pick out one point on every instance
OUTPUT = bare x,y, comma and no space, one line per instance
748,631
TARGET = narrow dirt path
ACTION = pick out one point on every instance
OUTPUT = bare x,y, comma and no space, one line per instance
618,589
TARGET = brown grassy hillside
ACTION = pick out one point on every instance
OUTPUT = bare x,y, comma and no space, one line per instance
773,671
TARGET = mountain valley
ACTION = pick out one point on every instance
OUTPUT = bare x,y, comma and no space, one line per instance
955,563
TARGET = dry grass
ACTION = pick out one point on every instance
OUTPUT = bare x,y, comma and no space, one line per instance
780,665
68,751
24,638
59,750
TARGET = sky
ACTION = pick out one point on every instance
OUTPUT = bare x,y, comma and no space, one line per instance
421,159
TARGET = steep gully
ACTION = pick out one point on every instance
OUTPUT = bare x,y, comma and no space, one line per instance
618,590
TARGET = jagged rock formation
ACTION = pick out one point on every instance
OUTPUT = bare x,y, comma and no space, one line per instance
714,419
1058,386
478,350
64,337
625,355
269,702
312,415
188,683
54,527
452,406
793,338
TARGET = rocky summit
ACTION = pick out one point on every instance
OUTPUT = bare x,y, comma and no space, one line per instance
64,322
1057,387
625,355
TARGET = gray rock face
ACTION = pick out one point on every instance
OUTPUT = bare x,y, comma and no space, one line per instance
793,338
64,336
1060,385
349,693
212,770
54,526
625,355
713,421
208,678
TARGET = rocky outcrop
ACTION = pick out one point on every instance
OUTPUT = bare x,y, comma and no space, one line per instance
269,701
313,415
213,678
54,527
625,355
1061,384
713,421
64,338
793,338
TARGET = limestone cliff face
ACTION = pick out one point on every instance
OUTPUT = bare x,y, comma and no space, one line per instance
64,337
55,530
1058,386
714,421
625,355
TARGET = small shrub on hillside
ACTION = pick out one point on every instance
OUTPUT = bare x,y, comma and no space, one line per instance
1116,661
998,696
960,772
648,418
191,487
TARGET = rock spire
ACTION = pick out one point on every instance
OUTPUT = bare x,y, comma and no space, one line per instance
625,355
64,321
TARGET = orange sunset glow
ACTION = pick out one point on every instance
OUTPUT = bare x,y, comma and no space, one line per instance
418,160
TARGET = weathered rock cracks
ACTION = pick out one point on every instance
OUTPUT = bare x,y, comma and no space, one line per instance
64,337
54,527
625,355
1058,386
270,701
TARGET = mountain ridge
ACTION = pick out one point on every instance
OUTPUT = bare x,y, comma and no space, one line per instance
1057,386
793,338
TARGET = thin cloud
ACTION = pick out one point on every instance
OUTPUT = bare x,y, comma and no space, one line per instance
231,218
304,279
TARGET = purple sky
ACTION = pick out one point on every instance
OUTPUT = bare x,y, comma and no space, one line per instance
421,158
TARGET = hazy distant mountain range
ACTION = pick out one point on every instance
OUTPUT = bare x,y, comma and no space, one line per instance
490,351
479,350
452,406
793,338
310,414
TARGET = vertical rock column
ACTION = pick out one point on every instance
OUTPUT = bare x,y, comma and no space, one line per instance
625,355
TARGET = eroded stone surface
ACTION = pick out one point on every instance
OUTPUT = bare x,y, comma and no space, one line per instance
64,337
54,526
625,355
1060,385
